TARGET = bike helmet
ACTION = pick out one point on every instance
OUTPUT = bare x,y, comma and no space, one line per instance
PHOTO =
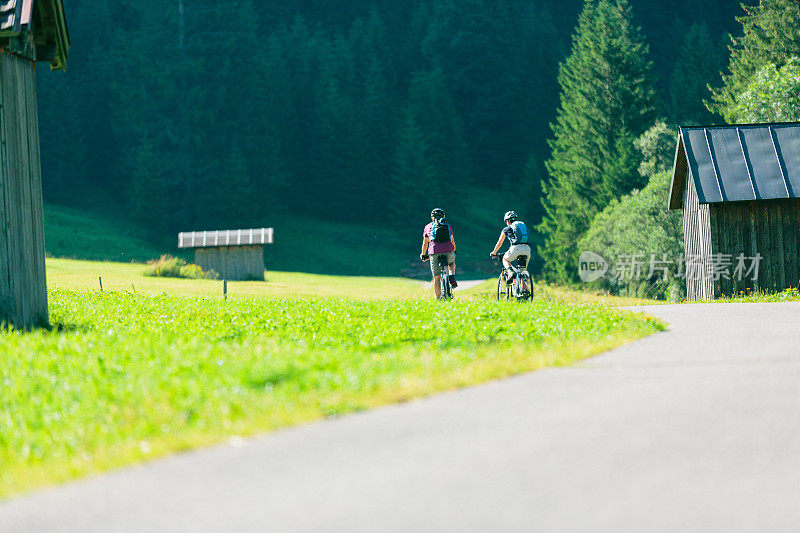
437,213
510,216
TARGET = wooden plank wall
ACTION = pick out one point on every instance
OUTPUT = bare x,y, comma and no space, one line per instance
23,289
697,242
767,227
235,263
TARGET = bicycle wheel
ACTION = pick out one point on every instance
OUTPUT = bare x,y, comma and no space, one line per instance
446,291
528,293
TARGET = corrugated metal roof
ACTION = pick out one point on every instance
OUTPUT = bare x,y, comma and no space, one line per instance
738,163
232,237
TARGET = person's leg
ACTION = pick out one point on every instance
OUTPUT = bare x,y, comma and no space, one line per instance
436,272
451,259
508,258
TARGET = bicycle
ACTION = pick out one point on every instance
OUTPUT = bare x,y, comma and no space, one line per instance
446,292
512,286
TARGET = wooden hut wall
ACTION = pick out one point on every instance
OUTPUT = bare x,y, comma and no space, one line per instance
236,263
23,291
697,241
768,227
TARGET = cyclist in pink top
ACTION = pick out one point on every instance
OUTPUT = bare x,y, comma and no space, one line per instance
437,241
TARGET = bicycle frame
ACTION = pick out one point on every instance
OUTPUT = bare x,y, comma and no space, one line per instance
514,287
444,279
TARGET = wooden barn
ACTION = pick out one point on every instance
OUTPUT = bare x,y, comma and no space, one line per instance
236,255
30,31
738,187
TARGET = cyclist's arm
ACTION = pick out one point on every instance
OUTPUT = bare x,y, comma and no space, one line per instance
500,242
424,245
453,240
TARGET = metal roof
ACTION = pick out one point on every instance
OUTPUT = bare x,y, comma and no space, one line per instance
737,163
232,237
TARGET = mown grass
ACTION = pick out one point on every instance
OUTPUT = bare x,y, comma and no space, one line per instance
83,276
127,376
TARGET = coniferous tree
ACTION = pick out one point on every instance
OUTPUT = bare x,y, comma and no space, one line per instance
79,149
430,102
699,60
415,184
494,57
770,34
375,132
66,178
606,101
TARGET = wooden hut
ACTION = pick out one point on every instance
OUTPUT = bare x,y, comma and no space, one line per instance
30,31
738,187
233,254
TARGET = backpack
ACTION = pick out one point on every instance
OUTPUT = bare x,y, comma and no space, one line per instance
521,234
440,231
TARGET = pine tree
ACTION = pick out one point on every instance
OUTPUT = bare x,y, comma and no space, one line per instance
494,56
375,132
66,176
699,60
433,109
414,185
770,34
606,101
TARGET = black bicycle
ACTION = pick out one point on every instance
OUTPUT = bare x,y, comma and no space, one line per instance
446,292
518,284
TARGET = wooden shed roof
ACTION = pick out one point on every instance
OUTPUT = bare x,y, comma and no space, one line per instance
51,33
232,237
737,163
41,22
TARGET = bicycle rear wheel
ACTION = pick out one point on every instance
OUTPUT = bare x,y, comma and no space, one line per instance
447,291
527,294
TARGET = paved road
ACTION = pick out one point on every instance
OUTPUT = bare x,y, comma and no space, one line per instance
697,429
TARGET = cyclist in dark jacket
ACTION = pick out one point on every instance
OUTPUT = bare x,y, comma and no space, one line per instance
437,241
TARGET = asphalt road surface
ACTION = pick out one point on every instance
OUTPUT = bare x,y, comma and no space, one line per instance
696,429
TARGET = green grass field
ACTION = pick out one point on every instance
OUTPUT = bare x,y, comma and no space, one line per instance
153,366
84,276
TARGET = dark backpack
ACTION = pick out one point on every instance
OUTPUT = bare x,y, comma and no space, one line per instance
440,231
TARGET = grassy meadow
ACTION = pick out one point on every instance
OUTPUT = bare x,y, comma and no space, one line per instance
153,366
129,277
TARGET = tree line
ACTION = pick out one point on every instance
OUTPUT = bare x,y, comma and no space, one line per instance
608,170
195,114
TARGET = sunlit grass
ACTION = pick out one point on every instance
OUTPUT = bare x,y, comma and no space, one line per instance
127,376
488,290
787,295
85,276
